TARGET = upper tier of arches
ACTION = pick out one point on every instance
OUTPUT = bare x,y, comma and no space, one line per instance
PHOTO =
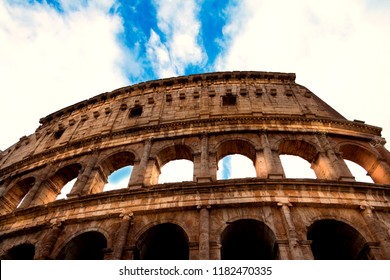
324,154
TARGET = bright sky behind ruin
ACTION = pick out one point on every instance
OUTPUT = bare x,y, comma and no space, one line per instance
56,53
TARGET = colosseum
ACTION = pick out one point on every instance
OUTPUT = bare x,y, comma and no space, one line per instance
201,118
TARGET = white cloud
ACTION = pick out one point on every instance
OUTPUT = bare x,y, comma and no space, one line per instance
296,167
177,20
235,166
177,171
121,184
338,49
50,60
159,56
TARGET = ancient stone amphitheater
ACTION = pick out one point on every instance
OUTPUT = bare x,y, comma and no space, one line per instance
200,118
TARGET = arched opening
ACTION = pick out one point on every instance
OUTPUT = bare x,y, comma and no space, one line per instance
248,239
296,167
235,166
117,170
335,240
173,164
236,159
52,187
163,242
16,195
66,189
296,157
368,161
119,179
20,252
86,246
358,172
66,176
177,171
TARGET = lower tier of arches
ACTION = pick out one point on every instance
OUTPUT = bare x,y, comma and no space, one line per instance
240,220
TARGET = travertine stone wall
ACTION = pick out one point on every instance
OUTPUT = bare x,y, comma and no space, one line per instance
201,118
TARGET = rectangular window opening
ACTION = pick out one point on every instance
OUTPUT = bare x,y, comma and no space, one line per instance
229,100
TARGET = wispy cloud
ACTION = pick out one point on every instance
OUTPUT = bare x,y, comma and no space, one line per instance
178,22
52,58
235,166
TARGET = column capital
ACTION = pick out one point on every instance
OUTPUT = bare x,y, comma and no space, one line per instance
284,202
203,206
365,207
126,216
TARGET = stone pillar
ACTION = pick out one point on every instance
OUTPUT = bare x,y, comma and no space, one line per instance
260,165
378,232
6,206
204,170
378,143
139,172
193,250
121,236
215,251
35,189
267,162
338,168
134,176
152,172
283,248
96,182
213,166
204,232
295,250
4,186
306,249
79,187
46,245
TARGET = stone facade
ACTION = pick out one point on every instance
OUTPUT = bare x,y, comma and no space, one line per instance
201,118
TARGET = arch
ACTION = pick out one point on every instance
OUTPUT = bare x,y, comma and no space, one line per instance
236,146
297,167
235,166
116,161
232,151
88,245
248,239
165,241
336,240
174,152
169,154
291,151
371,162
179,170
297,147
16,194
52,187
358,172
113,163
24,251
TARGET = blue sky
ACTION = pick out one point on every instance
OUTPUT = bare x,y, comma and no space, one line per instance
55,53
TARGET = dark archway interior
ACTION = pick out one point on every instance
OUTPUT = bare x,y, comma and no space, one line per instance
21,252
248,240
334,240
86,246
163,242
